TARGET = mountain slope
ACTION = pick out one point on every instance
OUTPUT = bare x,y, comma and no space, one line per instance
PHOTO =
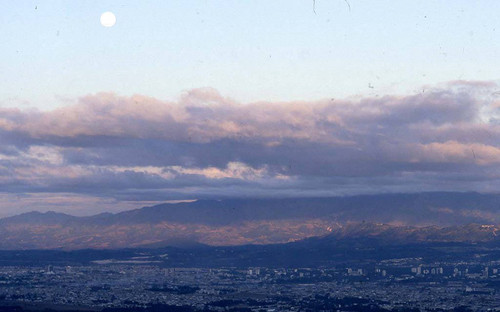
420,217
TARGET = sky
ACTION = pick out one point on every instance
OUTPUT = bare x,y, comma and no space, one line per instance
207,99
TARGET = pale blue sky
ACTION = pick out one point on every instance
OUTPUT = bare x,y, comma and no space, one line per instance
53,51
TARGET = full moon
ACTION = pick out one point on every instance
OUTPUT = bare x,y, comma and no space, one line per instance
108,19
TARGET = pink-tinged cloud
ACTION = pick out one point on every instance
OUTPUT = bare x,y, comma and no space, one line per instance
204,144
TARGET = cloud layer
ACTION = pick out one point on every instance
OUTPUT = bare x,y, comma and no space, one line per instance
205,145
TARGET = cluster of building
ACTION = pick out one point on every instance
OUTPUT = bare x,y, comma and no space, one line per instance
387,285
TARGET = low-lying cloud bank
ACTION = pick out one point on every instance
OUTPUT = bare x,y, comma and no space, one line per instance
205,145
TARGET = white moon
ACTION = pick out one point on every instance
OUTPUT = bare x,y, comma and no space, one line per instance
108,19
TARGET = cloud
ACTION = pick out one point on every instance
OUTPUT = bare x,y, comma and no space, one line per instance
207,145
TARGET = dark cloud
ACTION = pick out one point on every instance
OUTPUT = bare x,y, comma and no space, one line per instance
206,145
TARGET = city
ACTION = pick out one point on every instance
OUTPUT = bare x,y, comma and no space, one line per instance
389,285
250,156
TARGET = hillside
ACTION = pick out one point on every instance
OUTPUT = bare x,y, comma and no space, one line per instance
403,217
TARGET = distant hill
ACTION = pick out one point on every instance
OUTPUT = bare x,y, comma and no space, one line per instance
441,208
401,217
385,234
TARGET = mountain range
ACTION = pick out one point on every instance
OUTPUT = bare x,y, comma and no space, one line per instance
391,218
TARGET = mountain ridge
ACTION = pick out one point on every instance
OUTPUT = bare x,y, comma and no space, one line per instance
260,221
219,211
